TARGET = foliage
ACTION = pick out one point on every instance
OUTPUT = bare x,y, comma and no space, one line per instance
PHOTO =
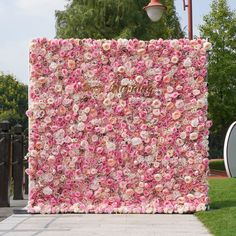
115,19
221,219
217,165
220,27
13,100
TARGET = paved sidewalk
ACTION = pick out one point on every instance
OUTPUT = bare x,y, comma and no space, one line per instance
102,225
15,204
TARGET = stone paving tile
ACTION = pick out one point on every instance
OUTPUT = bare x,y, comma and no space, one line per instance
102,225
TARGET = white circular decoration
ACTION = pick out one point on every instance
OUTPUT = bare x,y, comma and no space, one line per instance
230,151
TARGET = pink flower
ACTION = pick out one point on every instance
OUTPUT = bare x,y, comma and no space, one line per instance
71,64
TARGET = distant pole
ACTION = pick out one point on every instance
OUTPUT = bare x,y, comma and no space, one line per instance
190,18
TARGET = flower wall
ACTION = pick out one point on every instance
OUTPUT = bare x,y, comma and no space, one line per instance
118,126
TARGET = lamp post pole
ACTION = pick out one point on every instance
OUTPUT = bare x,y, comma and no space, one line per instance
190,18
155,10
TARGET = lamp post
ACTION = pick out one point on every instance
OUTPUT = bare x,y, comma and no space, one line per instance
155,11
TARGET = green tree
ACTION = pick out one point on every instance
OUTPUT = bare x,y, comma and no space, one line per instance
115,19
13,100
220,28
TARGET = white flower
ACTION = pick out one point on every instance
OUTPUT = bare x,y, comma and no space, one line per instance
87,110
125,82
188,179
59,134
122,42
201,207
94,138
180,209
183,135
107,102
193,136
179,87
47,191
110,95
156,112
136,141
106,46
76,208
83,117
187,62
149,210
194,122
121,69
207,46
75,108
157,177
37,209
84,143
47,177
53,66
110,146
139,79
80,126
174,59
196,92
179,103
73,128
169,89
144,134
156,103
174,43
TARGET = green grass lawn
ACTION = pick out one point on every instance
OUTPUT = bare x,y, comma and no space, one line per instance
221,218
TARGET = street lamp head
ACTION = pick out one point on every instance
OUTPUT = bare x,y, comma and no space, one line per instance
155,10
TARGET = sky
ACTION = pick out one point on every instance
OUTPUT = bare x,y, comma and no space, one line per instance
23,20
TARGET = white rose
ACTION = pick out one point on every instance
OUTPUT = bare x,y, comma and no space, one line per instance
139,79
174,59
37,209
47,191
183,135
94,138
110,146
188,179
125,82
196,92
193,136
83,117
110,95
53,66
179,103
207,46
136,141
106,46
107,102
194,122
201,207
157,177
80,126
156,103
144,134
75,108
87,110
187,62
